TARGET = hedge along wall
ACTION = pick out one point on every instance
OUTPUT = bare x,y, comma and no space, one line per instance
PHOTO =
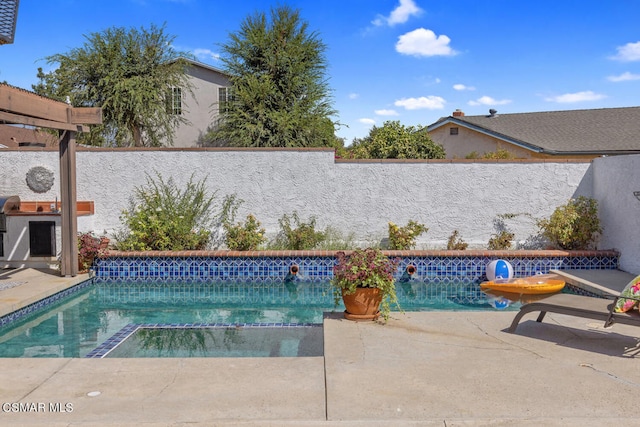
358,197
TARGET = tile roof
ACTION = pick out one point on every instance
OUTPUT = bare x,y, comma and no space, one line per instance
602,130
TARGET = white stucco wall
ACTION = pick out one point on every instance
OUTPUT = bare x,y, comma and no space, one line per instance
615,180
359,198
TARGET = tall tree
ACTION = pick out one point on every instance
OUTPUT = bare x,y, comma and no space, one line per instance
396,141
279,94
131,74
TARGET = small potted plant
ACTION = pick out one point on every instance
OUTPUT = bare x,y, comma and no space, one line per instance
89,247
365,283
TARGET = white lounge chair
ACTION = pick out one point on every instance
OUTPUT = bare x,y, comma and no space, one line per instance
579,306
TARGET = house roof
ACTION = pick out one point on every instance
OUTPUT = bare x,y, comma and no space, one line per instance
205,66
602,131
12,136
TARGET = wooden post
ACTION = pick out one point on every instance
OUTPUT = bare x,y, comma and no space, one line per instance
68,205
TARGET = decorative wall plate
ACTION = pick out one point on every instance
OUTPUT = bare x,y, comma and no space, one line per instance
40,179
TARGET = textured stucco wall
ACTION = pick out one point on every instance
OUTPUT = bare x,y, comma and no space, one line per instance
359,198
615,180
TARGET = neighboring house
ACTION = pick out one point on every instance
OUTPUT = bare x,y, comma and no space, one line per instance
201,106
571,134
20,136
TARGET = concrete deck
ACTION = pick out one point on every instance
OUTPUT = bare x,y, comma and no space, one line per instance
420,369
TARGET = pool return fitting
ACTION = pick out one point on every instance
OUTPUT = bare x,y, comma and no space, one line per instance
291,275
408,272
290,281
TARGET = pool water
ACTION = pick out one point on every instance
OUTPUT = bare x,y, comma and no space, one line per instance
76,325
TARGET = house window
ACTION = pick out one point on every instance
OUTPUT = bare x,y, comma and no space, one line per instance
174,101
224,97
453,131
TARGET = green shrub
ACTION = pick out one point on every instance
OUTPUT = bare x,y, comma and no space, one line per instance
574,225
396,141
501,241
335,240
241,236
163,216
296,234
247,236
455,242
500,153
403,238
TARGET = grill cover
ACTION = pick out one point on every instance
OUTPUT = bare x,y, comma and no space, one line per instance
9,203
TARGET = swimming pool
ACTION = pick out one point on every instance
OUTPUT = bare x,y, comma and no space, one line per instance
220,289
97,311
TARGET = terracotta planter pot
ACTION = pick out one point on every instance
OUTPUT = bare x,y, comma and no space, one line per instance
364,304
104,242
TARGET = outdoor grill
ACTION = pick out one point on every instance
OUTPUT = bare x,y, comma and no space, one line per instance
7,203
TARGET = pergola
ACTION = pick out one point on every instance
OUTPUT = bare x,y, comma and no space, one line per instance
18,106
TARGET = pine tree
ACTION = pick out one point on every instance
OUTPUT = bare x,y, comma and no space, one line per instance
279,94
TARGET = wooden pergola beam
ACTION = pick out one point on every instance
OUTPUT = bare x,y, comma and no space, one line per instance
29,104
18,106
30,121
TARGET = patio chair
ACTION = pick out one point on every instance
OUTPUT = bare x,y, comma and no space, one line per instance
579,306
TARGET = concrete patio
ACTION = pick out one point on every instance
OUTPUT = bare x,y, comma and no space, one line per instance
420,369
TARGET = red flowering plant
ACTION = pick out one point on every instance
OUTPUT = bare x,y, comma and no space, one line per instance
89,247
366,268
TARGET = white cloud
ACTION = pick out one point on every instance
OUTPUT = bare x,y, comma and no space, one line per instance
460,86
624,77
206,54
628,52
400,14
487,100
386,112
367,121
576,97
424,102
354,95
423,42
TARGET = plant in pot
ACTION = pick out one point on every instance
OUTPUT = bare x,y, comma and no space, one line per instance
89,247
365,283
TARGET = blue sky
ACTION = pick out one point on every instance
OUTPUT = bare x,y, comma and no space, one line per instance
408,60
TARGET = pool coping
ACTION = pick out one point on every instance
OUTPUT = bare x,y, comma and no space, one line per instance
520,253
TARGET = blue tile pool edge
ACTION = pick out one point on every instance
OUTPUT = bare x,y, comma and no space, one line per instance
119,337
317,268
